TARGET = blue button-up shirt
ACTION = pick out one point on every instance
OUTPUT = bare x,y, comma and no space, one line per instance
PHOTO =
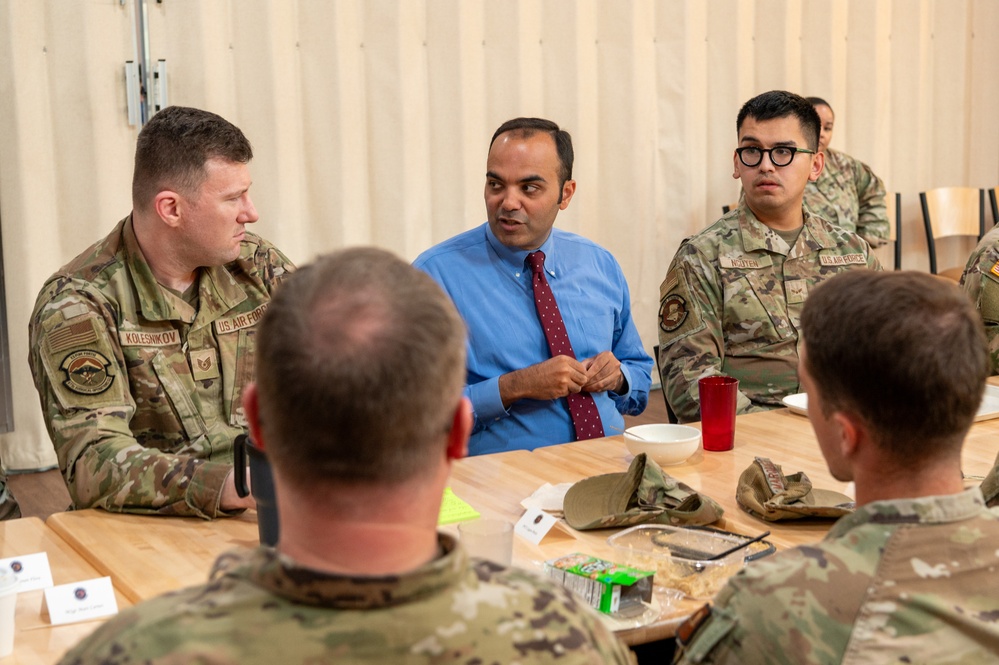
491,286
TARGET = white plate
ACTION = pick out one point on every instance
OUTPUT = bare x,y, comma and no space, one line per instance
989,408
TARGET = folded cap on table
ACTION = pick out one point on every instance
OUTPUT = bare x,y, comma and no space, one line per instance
766,492
642,494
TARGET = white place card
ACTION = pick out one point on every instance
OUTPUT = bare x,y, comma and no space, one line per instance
32,571
79,601
534,525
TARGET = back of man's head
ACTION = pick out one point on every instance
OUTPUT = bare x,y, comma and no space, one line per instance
527,127
173,147
904,351
360,369
782,104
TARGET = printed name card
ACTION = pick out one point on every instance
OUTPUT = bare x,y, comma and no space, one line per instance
79,601
32,571
535,524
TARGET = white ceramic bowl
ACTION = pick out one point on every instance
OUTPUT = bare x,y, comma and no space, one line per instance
666,444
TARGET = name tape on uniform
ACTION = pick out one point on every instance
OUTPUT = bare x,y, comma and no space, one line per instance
142,338
240,321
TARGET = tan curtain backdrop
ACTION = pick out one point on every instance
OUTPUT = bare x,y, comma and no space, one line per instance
370,118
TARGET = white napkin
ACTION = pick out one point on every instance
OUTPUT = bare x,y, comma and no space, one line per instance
548,498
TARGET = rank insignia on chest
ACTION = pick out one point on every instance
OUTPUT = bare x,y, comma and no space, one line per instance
204,364
87,372
797,290
672,312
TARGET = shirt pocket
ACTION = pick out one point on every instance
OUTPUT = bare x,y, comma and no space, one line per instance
168,392
755,310
237,351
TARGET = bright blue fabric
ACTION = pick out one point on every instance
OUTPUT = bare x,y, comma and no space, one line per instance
491,286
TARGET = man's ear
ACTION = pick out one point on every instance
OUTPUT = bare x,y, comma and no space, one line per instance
251,409
818,162
167,205
568,189
852,432
461,429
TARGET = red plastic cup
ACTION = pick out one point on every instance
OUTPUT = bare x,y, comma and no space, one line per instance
718,396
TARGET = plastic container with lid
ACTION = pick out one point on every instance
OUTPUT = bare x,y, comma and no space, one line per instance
683,557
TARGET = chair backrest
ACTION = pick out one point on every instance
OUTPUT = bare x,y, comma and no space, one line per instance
893,205
951,211
993,196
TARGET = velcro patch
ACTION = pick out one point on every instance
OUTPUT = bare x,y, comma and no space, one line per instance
142,338
240,321
729,262
995,269
87,372
797,290
672,312
845,259
772,474
204,364
71,336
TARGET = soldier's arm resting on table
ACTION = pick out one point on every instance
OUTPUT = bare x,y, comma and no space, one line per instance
980,282
691,340
80,373
873,224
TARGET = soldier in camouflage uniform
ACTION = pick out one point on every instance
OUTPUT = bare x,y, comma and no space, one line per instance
360,461
731,301
981,282
847,193
141,346
910,577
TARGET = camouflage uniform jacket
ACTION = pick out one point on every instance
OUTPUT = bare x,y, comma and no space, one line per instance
9,509
981,282
902,581
140,390
260,607
850,195
731,304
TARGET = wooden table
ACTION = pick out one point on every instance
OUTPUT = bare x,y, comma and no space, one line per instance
146,556
36,641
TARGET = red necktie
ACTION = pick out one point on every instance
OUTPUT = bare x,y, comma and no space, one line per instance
582,408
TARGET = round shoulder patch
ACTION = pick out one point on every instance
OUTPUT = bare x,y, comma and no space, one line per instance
672,312
87,372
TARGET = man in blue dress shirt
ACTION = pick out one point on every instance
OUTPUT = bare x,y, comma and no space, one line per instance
518,391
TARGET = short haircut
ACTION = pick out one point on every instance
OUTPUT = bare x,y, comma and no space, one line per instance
527,127
904,351
173,147
360,369
781,104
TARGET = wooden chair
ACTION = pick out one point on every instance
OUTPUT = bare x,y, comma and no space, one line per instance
729,208
893,204
662,386
951,211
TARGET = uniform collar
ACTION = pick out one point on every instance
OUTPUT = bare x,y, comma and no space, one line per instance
218,291
283,577
515,260
757,236
921,510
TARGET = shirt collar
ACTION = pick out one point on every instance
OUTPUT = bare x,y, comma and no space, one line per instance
282,576
920,510
515,260
757,236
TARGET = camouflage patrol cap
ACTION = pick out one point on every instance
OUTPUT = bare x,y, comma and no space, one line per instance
766,492
640,495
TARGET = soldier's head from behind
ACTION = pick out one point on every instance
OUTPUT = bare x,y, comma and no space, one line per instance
900,355
360,370
777,153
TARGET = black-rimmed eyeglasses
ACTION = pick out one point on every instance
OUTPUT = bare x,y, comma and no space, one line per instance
780,156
